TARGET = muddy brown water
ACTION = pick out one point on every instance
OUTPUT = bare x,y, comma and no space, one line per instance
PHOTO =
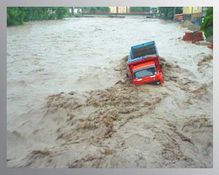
70,104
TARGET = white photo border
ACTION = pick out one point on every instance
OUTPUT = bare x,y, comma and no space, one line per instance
92,171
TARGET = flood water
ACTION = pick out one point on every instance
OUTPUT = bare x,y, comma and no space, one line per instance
80,54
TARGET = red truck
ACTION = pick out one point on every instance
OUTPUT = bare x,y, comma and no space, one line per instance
144,64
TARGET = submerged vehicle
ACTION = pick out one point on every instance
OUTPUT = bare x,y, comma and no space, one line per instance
144,64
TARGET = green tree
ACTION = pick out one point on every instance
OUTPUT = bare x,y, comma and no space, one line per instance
139,9
178,10
18,15
61,12
207,24
103,9
168,12
94,9
15,15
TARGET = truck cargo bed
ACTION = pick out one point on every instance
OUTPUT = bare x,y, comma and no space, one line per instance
144,49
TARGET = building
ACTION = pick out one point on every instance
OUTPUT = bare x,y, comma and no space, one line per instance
119,10
193,14
192,10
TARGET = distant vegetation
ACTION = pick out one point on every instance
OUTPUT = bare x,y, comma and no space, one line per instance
95,9
19,15
207,25
139,9
168,12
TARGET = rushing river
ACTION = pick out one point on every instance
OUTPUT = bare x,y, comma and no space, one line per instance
80,54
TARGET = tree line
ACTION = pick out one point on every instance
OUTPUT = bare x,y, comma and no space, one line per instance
169,12
207,24
19,15
139,9
95,9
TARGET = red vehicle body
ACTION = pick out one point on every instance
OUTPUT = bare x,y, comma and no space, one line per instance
147,68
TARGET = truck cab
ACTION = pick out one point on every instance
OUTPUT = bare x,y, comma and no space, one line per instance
144,64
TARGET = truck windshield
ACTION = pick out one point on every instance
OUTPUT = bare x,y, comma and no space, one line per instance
145,72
